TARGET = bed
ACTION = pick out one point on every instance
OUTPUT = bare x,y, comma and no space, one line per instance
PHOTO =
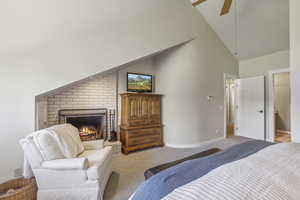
252,171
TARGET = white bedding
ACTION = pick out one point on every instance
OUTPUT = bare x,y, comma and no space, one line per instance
271,174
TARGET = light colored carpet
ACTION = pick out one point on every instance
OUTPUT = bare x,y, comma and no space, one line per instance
129,169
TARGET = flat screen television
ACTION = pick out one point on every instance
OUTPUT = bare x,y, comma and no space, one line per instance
139,82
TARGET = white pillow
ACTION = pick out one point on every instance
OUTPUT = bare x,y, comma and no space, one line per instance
47,145
32,153
68,139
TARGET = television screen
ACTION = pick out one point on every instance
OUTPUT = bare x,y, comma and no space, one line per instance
139,82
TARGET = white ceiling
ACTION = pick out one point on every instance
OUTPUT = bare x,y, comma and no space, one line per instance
262,25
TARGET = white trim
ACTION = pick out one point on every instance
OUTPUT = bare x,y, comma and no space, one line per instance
191,146
270,103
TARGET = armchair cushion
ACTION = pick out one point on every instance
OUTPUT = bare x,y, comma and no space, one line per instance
47,145
66,164
93,145
98,161
68,139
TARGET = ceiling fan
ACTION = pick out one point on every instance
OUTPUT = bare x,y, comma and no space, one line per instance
225,9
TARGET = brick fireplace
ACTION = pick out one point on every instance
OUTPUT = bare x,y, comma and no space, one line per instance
86,105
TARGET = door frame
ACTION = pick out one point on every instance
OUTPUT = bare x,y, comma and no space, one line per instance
226,77
271,102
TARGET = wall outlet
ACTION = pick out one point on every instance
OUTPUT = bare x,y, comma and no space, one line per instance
217,131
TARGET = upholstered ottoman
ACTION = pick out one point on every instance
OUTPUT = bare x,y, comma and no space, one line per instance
152,171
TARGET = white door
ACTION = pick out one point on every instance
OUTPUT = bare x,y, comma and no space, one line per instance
250,107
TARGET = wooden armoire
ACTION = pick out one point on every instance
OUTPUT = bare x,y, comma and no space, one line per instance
140,121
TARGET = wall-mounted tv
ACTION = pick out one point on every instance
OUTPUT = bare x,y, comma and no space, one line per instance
139,82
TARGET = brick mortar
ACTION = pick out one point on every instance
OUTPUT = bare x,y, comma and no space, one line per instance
99,92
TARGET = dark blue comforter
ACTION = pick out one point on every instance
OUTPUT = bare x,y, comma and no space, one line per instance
165,182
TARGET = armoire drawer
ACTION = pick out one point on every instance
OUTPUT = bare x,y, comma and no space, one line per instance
137,133
144,140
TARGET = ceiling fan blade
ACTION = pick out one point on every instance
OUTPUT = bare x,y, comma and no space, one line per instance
226,7
196,3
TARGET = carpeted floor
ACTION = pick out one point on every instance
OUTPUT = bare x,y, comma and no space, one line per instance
129,169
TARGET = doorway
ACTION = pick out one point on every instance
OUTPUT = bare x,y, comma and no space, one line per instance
280,100
245,107
230,106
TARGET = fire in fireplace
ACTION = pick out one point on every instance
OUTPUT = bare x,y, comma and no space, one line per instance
90,127
91,123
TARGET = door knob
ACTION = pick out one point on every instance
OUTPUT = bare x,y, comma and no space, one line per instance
261,111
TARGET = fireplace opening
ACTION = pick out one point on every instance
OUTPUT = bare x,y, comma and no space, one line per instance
91,123
90,127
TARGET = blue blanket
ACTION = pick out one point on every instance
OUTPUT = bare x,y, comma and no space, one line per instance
165,182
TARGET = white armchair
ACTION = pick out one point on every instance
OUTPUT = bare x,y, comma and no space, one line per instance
64,167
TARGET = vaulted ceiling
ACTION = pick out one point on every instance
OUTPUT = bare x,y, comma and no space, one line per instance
262,25
252,28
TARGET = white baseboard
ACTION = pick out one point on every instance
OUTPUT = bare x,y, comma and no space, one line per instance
191,146
281,131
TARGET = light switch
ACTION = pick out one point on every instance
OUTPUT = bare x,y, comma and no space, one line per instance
210,98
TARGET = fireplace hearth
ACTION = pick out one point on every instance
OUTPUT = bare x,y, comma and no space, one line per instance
91,123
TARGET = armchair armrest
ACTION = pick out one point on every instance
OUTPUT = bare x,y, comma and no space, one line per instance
93,145
63,164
